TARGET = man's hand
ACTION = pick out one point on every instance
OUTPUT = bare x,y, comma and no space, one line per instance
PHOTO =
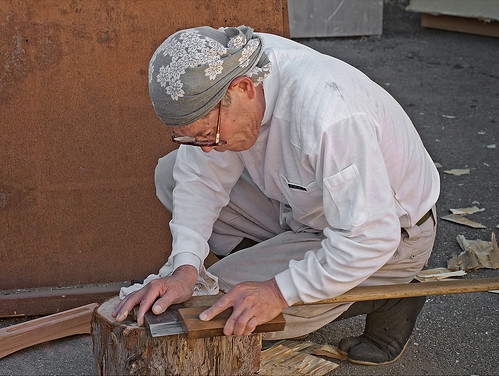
176,288
254,303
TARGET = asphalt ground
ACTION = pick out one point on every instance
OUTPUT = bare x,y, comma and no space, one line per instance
448,83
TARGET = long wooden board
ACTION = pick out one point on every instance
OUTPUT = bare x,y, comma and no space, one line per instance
214,328
406,290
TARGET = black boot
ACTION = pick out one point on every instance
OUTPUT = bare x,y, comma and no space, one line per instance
389,324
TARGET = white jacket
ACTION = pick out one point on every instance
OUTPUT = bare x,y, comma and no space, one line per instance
339,154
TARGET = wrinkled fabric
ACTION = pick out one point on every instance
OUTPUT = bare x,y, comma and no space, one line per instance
206,283
192,69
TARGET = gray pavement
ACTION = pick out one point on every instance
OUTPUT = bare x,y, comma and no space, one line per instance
449,84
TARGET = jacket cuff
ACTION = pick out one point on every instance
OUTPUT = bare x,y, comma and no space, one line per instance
186,258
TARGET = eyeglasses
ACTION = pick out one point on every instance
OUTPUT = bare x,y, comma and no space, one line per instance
188,140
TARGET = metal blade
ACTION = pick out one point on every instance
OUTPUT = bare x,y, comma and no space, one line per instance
166,324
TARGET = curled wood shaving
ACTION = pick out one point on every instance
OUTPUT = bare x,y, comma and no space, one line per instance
292,358
466,211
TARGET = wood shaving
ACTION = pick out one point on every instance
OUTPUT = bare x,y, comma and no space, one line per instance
462,221
438,274
458,171
466,211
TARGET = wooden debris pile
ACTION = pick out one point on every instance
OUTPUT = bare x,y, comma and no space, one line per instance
298,358
477,254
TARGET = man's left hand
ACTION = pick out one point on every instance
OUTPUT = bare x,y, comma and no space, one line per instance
253,303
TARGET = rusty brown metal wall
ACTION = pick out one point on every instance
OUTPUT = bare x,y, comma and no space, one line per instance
79,139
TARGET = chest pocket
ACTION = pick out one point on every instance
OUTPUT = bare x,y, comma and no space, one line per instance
305,201
344,199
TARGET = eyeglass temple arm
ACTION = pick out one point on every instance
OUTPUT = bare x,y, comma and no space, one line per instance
217,136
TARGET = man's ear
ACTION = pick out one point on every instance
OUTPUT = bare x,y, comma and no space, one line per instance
245,84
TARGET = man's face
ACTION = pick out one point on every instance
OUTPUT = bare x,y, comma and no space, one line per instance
239,124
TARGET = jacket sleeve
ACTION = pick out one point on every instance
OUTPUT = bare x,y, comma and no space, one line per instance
363,230
203,183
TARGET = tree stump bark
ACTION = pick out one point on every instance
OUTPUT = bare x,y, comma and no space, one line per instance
127,349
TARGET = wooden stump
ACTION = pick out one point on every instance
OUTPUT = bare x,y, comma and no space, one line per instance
127,349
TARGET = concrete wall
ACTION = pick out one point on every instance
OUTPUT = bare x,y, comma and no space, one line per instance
335,18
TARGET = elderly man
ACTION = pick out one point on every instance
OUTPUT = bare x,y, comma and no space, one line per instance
302,175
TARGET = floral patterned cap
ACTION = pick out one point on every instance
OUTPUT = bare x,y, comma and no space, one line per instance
192,69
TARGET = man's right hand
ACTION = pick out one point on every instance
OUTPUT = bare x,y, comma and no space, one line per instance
174,289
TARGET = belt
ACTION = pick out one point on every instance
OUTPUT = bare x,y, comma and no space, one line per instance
424,218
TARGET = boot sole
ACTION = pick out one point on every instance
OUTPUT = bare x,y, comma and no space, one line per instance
366,363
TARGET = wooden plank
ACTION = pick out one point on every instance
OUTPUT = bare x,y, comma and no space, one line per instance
46,300
214,328
406,290
75,321
460,24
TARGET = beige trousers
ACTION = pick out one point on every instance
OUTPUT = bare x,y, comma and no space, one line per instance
250,214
